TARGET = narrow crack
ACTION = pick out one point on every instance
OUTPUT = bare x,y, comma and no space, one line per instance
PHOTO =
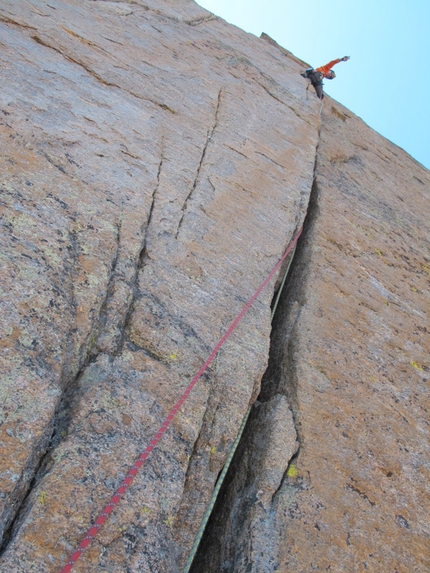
121,326
237,151
104,309
209,136
44,43
56,165
19,496
270,159
355,489
164,14
143,255
291,464
151,209
290,107
211,408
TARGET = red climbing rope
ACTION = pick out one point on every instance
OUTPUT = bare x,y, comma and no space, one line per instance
91,533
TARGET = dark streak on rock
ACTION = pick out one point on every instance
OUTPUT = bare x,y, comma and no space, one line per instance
42,42
270,159
18,506
56,165
280,100
237,151
351,487
7,20
400,520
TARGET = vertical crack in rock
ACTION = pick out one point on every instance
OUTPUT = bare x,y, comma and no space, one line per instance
242,533
143,255
20,496
113,343
209,136
103,314
53,435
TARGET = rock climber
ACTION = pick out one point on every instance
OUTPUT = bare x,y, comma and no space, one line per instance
316,76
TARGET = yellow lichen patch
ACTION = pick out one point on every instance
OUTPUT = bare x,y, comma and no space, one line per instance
169,521
292,471
416,366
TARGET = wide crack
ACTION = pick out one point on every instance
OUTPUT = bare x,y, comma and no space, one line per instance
226,543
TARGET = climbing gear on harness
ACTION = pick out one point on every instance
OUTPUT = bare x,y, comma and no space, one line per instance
306,73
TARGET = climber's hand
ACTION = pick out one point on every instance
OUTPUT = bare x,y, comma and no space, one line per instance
345,58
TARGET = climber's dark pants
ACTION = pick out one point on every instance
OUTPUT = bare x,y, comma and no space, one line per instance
316,80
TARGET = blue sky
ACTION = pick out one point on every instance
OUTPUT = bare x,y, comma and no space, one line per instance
387,80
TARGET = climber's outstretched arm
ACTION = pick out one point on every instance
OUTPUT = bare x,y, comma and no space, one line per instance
325,69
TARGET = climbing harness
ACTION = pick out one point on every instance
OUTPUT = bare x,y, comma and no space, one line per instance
229,459
92,532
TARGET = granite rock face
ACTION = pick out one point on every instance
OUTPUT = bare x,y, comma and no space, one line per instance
155,164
